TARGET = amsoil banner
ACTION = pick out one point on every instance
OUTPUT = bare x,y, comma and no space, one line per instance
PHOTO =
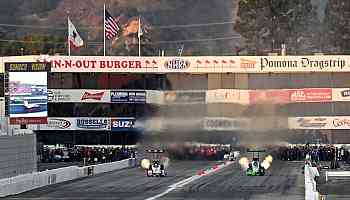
227,96
321,122
78,95
201,64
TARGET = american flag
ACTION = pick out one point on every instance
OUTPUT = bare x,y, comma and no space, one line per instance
112,27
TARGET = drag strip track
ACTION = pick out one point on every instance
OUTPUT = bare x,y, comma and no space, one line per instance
284,181
123,184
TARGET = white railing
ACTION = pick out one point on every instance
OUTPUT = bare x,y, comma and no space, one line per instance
337,174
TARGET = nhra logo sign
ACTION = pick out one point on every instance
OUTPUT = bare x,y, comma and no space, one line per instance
122,124
177,64
93,123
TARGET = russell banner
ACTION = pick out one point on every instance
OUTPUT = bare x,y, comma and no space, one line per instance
93,123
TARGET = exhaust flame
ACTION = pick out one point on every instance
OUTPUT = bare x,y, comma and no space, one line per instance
145,163
267,162
244,162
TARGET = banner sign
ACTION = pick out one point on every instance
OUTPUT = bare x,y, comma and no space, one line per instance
322,122
311,95
201,64
185,97
341,94
227,96
120,96
93,123
59,124
122,124
268,96
225,124
79,95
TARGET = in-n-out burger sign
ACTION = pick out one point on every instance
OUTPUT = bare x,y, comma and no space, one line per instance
95,96
266,63
100,64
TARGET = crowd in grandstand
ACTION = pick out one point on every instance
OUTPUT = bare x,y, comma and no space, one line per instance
87,154
201,152
314,153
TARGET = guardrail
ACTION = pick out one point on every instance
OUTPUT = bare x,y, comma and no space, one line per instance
26,182
337,174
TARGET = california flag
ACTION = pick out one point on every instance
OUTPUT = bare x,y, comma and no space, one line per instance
73,35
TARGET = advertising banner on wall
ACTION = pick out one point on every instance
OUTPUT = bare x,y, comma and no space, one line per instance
268,96
28,92
59,124
122,124
202,64
78,95
311,95
227,96
225,124
130,96
321,122
87,123
154,97
184,97
341,94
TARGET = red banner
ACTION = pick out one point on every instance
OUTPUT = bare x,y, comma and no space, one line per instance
28,120
268,96
311,95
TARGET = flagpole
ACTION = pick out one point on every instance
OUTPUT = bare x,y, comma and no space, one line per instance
139,36
68,38
104,30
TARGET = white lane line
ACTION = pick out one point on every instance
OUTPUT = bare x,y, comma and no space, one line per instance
189,180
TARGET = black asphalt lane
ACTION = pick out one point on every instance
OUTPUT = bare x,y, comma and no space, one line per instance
283,181
123,184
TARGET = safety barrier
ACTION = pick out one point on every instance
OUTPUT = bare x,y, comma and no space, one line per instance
26,182
337,174
310,183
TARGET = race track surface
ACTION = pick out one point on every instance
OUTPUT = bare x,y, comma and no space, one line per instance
284,181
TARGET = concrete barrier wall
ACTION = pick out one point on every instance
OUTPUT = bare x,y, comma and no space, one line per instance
26,182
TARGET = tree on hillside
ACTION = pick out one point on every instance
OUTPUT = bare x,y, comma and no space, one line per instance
266,24
337,27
